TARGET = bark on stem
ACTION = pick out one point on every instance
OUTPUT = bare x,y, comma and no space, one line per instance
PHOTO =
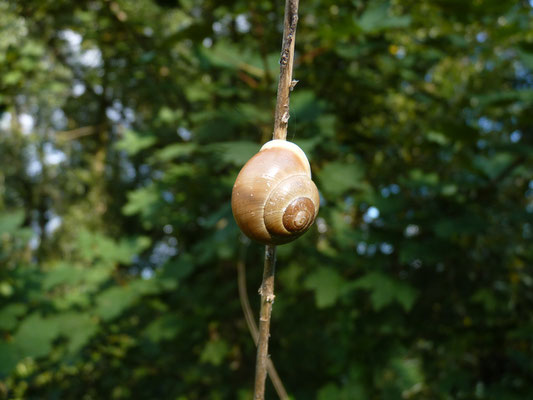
254,331
286,84
281,120
267,298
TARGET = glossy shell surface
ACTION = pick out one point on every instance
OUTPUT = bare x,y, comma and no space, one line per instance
274,200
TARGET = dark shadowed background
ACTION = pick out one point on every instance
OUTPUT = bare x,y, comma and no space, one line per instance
123,125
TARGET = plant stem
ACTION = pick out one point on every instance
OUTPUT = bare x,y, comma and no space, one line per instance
254,331
281,121
267,298
286,84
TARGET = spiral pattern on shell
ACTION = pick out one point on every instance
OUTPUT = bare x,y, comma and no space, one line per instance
274,200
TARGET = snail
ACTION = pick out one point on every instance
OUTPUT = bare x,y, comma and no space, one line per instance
274,200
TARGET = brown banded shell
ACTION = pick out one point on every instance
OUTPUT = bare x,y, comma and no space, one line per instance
274,200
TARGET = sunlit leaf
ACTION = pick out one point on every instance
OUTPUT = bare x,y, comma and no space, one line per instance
214,352
113,301
163,328
385,290
236,153
10,222
378,17
336,178
35,336
327,285
133,142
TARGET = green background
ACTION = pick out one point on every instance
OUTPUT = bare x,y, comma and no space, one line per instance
123,125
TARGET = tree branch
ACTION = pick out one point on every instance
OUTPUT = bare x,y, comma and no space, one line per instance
281,120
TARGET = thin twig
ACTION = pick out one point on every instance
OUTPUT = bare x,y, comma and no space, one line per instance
281,120
252,327
285,85
267,298
77,133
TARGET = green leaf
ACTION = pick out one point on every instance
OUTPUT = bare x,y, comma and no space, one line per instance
487,298
9,315
12,77
385,291
179,171
35,336
307,145
77,328
9,223
9,357
214,352
113,301
254,113
449,189
526,58
141,200
329,392
97,274
32,48
352,388
403,377
225,54
419,177
377,17
145,286
327,126
327,284
336,178
305,106
174,151
505,97
236,153
169,116
94,246
175,270
127,248
438,138
494,165
133,142
290,275
63,274
162,328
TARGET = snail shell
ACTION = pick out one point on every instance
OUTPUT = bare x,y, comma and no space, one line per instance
274,200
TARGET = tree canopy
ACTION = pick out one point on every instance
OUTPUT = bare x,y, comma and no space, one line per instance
123,125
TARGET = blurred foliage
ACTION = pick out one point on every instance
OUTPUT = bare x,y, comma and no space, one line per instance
122,128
